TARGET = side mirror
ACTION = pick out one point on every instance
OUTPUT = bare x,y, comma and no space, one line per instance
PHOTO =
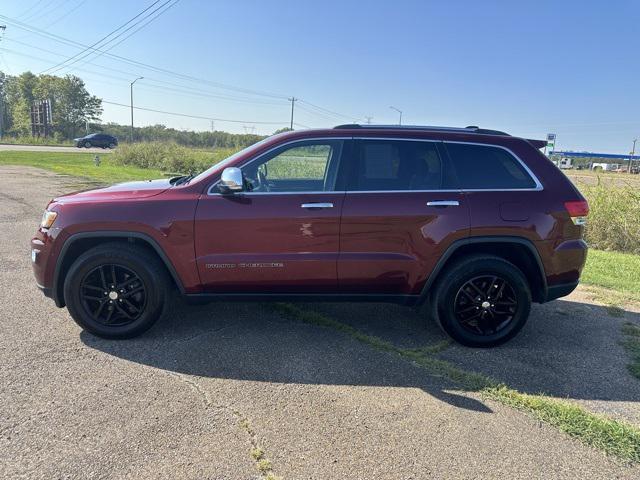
231,180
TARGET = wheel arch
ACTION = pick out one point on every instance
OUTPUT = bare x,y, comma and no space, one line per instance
517,250
79,243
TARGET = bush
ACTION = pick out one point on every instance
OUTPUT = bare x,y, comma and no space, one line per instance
29,140
614,217
169,157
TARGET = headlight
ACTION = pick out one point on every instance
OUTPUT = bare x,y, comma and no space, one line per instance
47,219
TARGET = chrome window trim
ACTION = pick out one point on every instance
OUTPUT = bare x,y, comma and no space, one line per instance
539,187
254,159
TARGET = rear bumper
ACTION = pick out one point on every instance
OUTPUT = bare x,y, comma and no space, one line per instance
560,290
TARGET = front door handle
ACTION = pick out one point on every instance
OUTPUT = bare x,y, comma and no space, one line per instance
443,203
317,205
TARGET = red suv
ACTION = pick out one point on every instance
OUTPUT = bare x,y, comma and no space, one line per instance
474,223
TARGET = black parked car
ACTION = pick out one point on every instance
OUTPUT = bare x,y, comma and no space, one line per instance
96,140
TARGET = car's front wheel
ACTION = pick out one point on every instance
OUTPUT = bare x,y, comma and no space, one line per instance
112,145
116,290
87,144
482,300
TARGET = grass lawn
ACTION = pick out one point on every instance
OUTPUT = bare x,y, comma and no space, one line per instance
80,165
615,271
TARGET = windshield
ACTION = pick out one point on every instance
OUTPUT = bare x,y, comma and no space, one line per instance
229,160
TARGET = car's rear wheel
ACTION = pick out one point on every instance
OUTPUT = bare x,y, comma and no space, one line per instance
87,144
482,301
112,145
116,291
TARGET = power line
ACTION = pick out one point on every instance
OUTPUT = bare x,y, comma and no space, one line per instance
199,117
153,18
45,10
181,88
34,5
136,63
57,66
66,14
327,110
60,39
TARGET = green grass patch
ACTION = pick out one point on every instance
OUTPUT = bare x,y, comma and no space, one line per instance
631,343
80,165
612,436
614,270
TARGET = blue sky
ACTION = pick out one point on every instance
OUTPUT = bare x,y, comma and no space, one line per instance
525,67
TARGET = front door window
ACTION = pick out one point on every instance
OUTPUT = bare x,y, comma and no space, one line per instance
303,167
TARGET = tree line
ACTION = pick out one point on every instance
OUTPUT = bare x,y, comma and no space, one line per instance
187,138
75,110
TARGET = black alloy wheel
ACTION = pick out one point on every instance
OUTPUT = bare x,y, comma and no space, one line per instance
485,305
113,295
116,290
481,300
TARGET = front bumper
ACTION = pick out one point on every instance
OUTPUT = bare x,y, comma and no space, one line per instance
47,292
43,259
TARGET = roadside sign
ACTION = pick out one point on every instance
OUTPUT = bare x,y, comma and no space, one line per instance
551,143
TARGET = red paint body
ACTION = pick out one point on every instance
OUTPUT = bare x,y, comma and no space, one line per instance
369,243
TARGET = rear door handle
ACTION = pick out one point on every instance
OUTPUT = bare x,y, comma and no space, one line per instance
443,203
317,205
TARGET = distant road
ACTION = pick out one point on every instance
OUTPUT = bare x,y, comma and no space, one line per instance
47,148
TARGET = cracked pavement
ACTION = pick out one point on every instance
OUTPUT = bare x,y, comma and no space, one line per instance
171,403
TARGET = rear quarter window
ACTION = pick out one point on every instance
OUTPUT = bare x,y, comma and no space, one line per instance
480,167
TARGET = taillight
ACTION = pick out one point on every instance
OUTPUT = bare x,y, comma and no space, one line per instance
578,211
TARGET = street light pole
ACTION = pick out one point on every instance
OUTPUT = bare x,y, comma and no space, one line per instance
633,152
399,111
131,85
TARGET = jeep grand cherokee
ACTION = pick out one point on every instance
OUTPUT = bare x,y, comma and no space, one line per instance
474,224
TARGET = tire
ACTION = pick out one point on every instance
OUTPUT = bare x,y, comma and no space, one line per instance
112,146
87,144
136,302
463,306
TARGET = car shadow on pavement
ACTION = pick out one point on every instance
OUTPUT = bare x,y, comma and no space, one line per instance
568,349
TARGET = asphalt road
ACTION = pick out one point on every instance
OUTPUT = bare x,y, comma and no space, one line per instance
50,148
193,397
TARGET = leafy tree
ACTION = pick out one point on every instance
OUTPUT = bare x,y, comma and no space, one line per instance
71,103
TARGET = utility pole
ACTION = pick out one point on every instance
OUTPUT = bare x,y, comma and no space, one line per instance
293,100
368,120
213,126
633,152
399,111
131,85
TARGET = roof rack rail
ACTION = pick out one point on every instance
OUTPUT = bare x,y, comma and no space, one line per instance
470,129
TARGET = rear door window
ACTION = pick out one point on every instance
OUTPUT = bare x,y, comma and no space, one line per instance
487,167
397,165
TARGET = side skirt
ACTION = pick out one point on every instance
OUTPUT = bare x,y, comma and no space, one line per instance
408,300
